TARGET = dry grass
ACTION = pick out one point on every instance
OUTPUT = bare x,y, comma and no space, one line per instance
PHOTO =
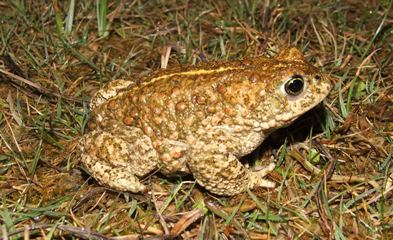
335,169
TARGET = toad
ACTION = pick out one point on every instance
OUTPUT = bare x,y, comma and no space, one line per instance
198,120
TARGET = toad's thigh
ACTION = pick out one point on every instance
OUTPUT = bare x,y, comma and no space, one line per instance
121,146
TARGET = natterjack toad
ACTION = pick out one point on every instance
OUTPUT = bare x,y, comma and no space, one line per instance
198,120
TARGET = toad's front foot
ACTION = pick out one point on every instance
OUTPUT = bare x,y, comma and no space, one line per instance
257,177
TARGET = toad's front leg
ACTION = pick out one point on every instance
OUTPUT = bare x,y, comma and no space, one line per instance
215,167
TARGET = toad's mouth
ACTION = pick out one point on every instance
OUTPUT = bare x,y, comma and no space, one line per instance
313,105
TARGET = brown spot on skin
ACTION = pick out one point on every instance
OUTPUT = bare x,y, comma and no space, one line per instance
148,130
246,100
128,120
230,111
176,153
170,105
181,106
176,91
246,62
111,104
146,117
165,157
211,109
156,145
142,99
157,120
214,99
217,118
253,78
200,100
199,114
92,125
118,115
221,88
134,114
103,124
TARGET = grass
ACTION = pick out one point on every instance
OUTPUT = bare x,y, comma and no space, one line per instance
335,173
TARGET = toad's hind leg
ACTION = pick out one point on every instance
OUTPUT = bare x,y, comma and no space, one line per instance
116,157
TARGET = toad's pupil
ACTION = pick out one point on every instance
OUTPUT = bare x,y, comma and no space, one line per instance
294,86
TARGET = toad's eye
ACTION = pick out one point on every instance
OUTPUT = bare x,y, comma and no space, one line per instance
294,86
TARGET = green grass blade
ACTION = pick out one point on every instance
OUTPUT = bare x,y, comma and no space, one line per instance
70,17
